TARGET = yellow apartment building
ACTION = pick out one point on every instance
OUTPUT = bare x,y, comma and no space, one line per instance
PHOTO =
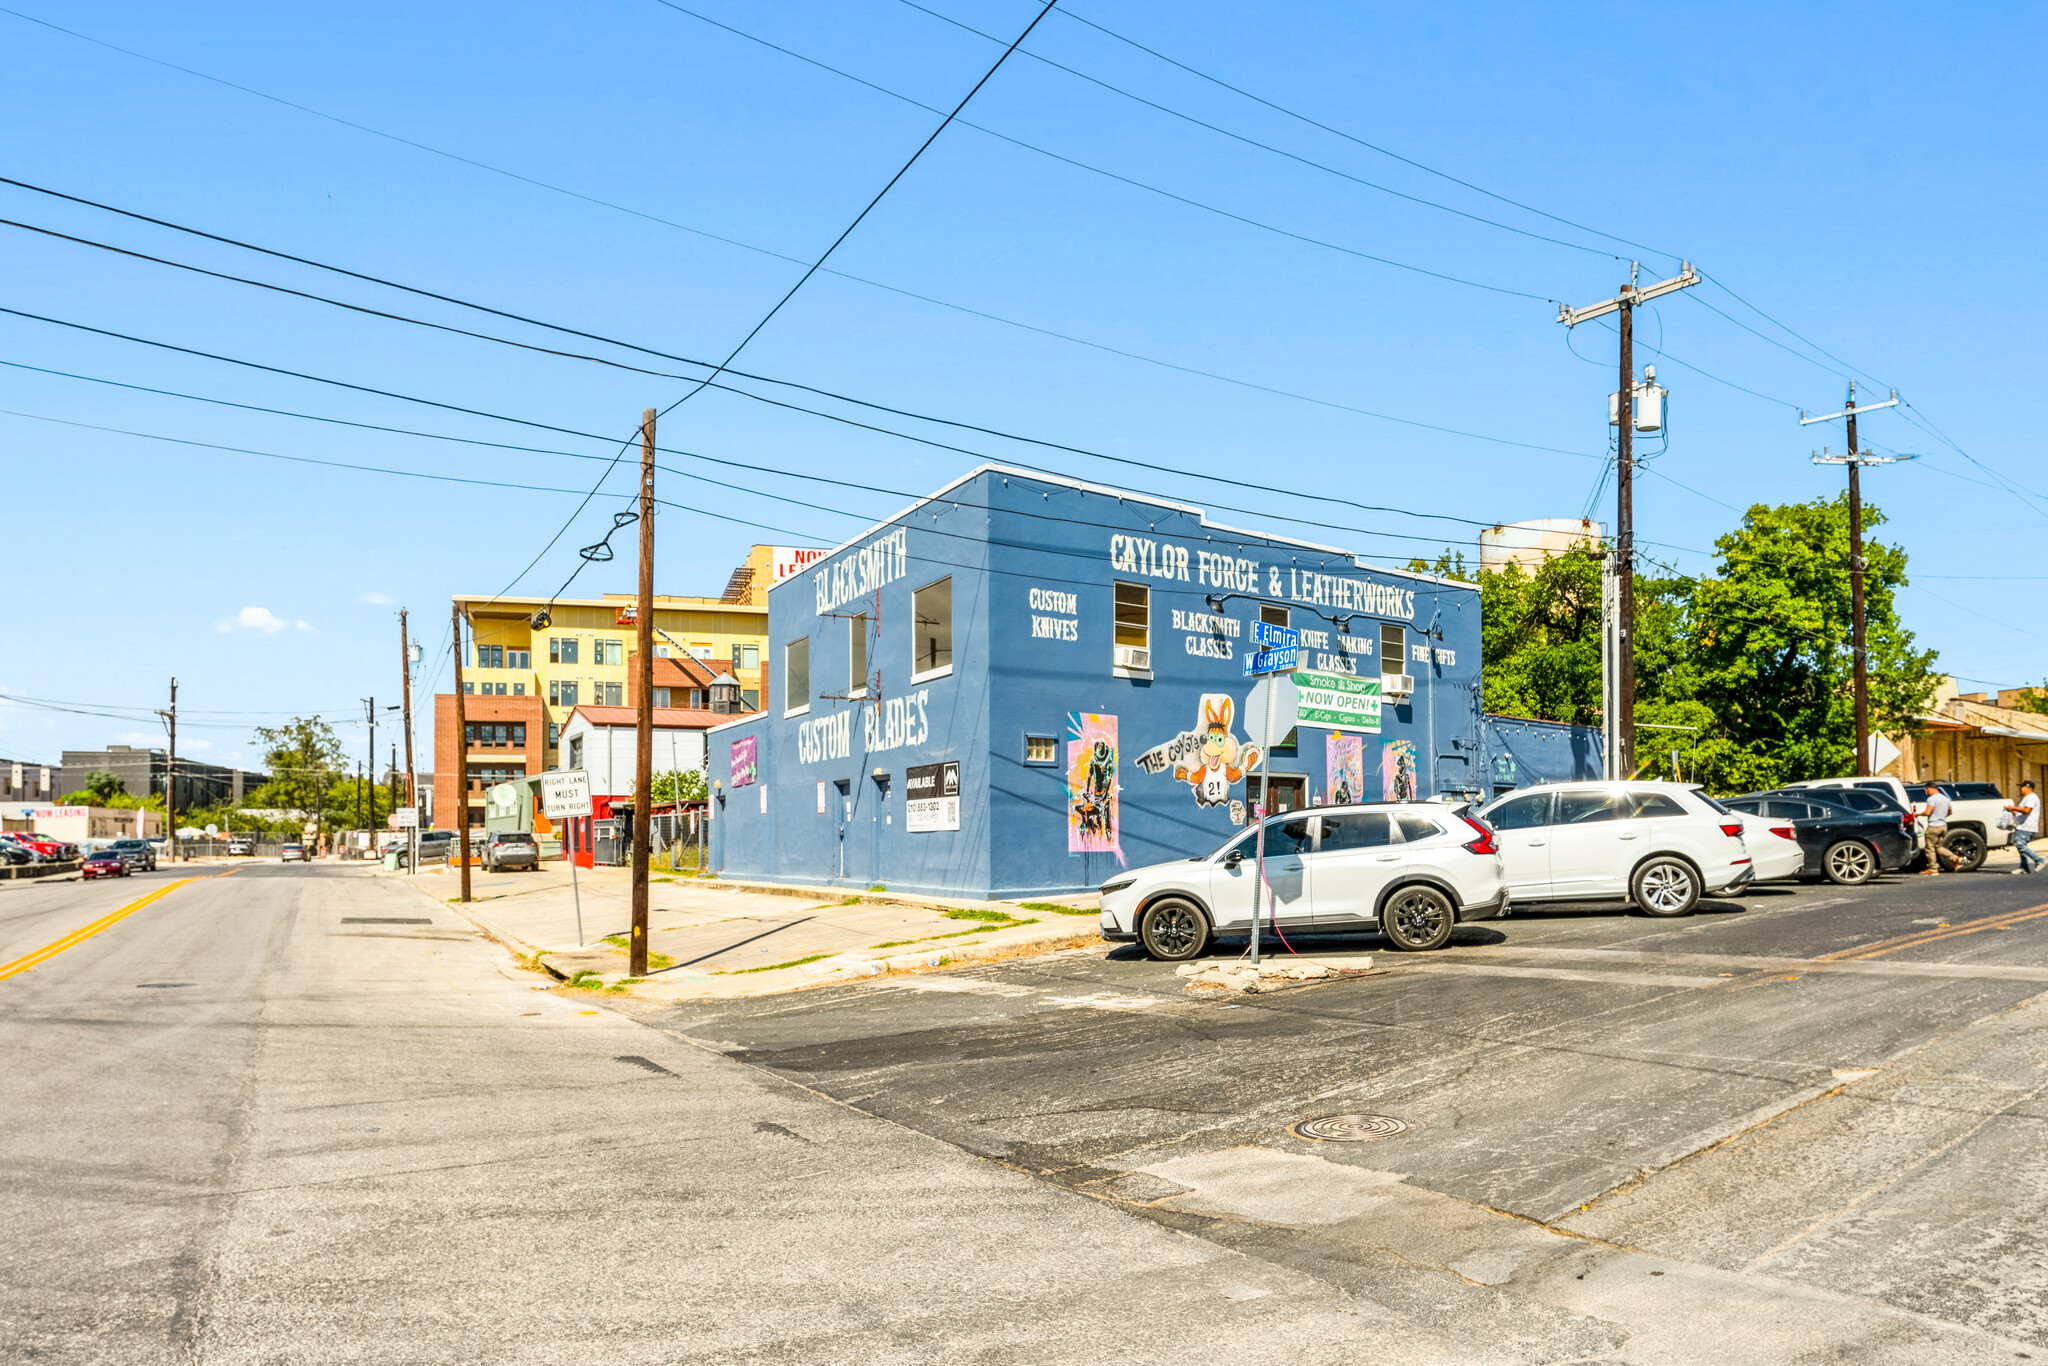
555,656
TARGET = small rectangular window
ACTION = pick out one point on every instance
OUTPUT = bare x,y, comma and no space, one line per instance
796,676
519,690
1133,615
554,692
554,734
469,687
1041,749
1272,614
746,656
701,650
661,652
519,659
857,655
554,649
569,649
661,696
752,698
614,694
1393,649
931,615
519,734
568,692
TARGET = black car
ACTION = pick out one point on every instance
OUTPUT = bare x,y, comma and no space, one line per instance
12,854
1844,843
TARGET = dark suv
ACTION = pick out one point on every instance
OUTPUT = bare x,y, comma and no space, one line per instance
510,849
135,853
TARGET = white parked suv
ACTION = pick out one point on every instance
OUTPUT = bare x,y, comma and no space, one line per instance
1410,870
1661,845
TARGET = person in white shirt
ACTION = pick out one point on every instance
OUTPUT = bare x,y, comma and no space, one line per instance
1935,811
2026,825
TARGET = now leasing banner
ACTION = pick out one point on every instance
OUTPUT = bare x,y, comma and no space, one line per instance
1338,702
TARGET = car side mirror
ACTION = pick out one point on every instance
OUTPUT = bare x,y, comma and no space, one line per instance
1233,858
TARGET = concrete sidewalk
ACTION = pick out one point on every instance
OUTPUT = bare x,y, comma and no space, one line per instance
712,939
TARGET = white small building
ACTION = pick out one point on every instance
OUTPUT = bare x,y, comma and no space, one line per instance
603,741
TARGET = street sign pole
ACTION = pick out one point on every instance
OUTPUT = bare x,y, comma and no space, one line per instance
1259,896
1275,654
565,796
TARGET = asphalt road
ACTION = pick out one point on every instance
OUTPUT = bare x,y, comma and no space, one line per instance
307,1114
1814,1115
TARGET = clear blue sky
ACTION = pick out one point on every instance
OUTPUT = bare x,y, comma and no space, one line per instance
1870,176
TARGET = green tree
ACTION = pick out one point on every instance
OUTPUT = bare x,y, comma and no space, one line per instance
2033,699
678,786
99,789
304,759
1767,647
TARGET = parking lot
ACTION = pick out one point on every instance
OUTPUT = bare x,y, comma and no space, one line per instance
1821,1090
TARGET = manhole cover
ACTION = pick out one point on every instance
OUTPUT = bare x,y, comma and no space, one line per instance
1350,1128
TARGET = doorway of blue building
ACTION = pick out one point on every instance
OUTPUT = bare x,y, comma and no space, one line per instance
1290,792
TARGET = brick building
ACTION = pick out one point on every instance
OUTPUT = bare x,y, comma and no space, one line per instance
529,663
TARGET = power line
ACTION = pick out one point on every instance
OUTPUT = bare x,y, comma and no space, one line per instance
858,218
1112,175
1349,137
1263,146
665,355
569,431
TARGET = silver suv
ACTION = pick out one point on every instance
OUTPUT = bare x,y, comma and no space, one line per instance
510,849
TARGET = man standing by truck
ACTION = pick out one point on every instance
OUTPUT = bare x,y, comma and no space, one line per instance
2026,823
1935,819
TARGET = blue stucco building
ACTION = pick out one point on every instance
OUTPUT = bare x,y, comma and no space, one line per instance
1021,683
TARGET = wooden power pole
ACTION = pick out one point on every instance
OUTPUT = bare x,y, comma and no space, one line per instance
461,762
643,750
405,672
1620,708
1859,657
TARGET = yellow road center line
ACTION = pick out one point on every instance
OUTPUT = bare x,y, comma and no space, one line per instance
1908,941
79,936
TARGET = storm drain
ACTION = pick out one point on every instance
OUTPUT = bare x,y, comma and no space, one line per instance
1350,1128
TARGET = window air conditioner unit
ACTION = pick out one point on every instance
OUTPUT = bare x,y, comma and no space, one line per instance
1133,657
1397,685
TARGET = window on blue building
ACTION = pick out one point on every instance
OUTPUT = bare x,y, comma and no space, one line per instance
931,611
796,676
857,655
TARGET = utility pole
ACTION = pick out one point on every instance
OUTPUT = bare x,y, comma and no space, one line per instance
1855,462
370,710
643,750
1620,705
405,672
461,761
171,774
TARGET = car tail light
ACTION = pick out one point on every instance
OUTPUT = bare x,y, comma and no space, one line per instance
1785,832
1484,844
1733,832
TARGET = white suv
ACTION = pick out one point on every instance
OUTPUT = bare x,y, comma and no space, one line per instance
1659,844
1409,870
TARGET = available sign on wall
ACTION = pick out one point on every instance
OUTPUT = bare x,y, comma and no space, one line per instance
931,798
744,770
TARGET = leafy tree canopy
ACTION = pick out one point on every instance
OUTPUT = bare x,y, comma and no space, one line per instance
305,760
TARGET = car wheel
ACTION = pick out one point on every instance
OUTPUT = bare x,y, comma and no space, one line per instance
1968,848
1665,886
1418,918
1173,930
1849,863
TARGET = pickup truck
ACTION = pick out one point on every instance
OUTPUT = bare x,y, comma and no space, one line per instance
1973,829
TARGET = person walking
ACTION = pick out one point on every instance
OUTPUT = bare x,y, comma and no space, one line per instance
1934,813
2026,824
